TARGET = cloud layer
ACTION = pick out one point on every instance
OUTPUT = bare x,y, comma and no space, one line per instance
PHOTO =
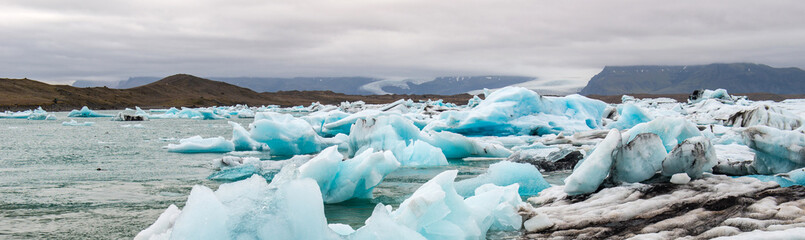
60,41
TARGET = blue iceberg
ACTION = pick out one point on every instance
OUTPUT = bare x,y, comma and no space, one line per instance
197,144
519,111
85,112
505,173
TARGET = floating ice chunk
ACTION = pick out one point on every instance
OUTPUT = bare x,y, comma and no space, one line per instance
734,159
501,112
421,153
693,156
630,116
594,169
204,216
672,131
319,119
496,204
352,178
243,141
72,122
209,115
399,135
341,229
232,168
382,226
23,114
86,112
288,208
765,115
539,222
776,151
161,228
505,173
640,159
720,94
797,176
285,134
197,144
436,211
455,145
245,113
680,178
384,132
474,101
40,114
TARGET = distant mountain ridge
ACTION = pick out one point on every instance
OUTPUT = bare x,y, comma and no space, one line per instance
735,77
345,85
173,91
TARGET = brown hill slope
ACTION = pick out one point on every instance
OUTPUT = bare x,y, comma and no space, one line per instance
173,91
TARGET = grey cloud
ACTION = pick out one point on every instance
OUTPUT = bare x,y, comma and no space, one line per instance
111,40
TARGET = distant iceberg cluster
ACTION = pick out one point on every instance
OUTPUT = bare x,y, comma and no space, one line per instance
654,163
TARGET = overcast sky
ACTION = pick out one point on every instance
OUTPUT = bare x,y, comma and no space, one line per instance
62,41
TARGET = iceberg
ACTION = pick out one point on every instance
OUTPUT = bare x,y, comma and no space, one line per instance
630,116
776,151
72,122
85,112
197,144
505,173
340,180
516,110
719,94
232,168
285,134
640,159
287,208
243,141
592,171
399,135
765,115
436,211
693,156
40,114
672,131
421,153
290,207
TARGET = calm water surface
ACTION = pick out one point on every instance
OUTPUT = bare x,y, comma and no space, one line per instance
113,179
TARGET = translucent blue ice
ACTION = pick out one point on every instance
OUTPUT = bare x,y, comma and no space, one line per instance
243,141
693,156
86,112
340,180
776,151
285,134
72,122
498,114
40,114
672,131
505,173
197,144
288,208
640,159
291,207
594,169
436,211
630,115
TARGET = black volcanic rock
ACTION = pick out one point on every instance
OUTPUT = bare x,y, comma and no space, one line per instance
735,77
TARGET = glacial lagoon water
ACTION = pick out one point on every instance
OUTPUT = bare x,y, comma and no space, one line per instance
113,179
